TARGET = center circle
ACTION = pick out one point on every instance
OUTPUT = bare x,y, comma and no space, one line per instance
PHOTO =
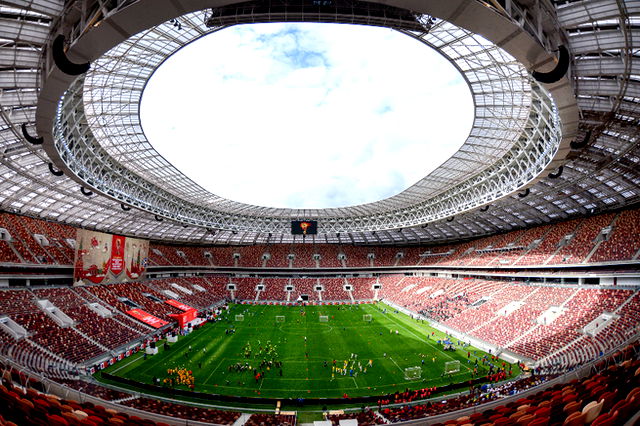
306,115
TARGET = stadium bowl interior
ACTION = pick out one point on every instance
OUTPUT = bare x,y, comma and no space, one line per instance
529,262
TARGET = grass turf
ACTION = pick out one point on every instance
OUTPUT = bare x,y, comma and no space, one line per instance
209,351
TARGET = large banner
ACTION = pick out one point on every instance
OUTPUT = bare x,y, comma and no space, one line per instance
147,318
108,258
179,305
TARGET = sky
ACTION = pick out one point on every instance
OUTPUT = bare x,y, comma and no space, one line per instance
306,115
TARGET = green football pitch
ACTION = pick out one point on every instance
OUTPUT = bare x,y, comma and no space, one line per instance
302,349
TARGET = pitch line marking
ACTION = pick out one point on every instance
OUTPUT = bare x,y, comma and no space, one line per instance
394,361
356,383
127,364
411,332
214,370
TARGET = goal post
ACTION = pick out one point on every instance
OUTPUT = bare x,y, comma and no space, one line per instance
239,317
451,367
412,373
366,318
279,318
324,318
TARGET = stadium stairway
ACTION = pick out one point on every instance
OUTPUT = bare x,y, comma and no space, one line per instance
522,336
244,418
15,251
258,292
382,418
524,299
128,398
552,357
553,255
48,352
116,319
319,292
103,347
626,302
595,248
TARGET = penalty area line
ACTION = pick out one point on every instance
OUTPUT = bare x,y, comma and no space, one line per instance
394,361
214,370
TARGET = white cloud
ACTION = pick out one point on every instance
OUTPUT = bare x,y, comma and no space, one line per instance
306,115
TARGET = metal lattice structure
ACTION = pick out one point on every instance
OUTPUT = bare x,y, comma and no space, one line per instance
521,134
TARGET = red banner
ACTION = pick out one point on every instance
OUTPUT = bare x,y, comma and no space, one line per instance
104,257
147,318
178,305
185,317
117,254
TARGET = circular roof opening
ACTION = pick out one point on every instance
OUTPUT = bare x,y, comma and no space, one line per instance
306,115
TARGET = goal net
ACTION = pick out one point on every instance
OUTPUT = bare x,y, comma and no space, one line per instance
239,317
324,318
451,367
279,318
412,373
366,318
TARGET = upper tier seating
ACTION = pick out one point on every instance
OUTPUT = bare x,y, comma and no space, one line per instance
583,242
329,256
279,256
194,255
540,254
356,256
168,255
251,256
304,256
411,256
624,243
512,248
7,254
20,229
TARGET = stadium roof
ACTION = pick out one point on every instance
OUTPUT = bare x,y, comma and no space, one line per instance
130,189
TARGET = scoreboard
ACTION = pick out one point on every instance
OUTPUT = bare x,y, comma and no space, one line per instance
304,227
